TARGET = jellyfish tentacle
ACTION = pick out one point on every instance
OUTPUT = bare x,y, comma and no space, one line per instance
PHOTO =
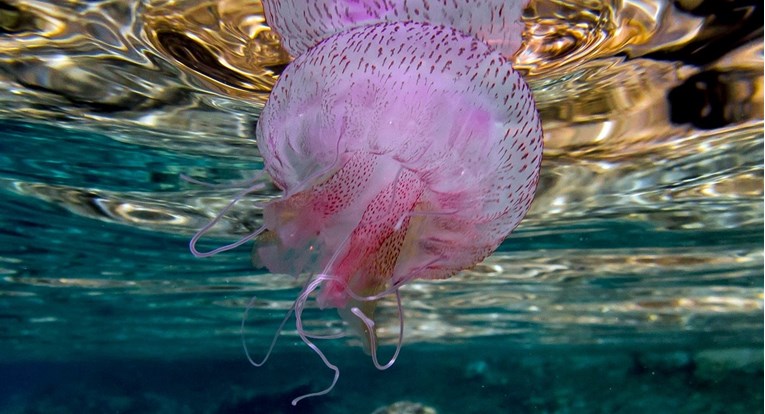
243,240
198,235
370,324
273,340
367,321
326,277
277,333
299,306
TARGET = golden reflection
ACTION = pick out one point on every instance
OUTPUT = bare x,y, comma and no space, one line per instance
225,42
561,33
606,104
44,20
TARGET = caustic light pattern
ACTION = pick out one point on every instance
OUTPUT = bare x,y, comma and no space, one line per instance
405,150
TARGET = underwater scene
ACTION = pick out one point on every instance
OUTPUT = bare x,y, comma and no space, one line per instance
354,194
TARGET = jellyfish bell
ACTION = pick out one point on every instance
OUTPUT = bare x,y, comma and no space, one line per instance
399,159
301,24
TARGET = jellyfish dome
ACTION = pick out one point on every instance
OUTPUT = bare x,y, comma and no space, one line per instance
400,158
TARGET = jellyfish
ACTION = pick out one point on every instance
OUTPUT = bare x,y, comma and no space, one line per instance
405,151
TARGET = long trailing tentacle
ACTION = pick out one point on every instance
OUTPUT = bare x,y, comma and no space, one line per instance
370,324
299,306
311,286
277,333
317,281
214,221
273,340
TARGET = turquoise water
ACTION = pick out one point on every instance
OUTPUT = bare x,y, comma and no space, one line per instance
102,308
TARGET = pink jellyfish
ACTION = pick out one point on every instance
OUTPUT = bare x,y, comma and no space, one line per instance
405,151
